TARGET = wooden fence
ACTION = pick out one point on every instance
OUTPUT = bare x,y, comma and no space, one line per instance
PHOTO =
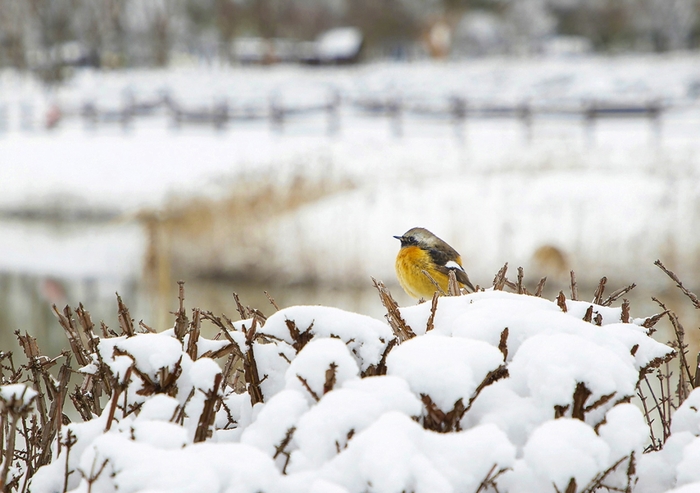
219,115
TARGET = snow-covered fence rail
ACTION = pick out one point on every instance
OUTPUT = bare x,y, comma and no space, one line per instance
279,113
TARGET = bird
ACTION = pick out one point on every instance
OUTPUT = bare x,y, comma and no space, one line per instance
422,252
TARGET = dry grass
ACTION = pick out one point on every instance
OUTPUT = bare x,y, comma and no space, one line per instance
196,235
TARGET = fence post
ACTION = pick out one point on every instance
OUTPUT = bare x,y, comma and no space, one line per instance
4,125
394,110
128,110
89,114
220,115
276,114
458,109
173,109
524,112
333,113
654,113
589,120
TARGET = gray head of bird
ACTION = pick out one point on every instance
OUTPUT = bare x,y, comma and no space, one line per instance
418,236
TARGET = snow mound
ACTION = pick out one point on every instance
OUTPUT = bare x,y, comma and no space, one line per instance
506,392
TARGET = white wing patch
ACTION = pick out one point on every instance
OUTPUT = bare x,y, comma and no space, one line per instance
454,265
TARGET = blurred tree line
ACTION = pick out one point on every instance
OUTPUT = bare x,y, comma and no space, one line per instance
43,34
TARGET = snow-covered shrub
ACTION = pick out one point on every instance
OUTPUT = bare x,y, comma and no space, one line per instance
489,391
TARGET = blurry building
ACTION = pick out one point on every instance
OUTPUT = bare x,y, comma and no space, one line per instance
335,46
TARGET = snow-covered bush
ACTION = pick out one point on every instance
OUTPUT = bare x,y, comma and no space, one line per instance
489,391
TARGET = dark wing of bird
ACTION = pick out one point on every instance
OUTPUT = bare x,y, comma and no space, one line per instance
445,265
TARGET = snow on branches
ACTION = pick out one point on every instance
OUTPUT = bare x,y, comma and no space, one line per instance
489,391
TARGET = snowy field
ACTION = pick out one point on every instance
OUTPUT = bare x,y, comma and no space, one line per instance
611,196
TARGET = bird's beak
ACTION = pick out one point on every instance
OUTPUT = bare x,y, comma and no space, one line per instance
399,237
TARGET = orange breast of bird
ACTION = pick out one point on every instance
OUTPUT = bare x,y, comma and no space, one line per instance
410,264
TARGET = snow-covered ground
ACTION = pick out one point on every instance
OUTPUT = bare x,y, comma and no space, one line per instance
610,197
464,407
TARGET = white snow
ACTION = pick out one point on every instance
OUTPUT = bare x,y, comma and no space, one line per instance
687,470
150,352
624,431
395,454
345,412
548,367
17,399
687,416
557,451
314,362
445,369
366,337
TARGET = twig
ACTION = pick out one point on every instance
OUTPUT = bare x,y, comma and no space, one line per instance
401,329
71,440
561,301
625,314
540,287
271,300
486,481
598,295
452,284
146,328
574,287
194,332
300,337
647,416
694,299
503,343
308,388
434,283
125,321
330,380
206,419
581,394
500,280
244,312
682,350
181,320
281,448
649,323
597,481
250,367
660,409
433,308
119,387
491,377
519,284
616,294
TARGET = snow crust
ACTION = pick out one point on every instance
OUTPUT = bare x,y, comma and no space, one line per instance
331,420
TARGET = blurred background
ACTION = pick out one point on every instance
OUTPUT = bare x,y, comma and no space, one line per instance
268,145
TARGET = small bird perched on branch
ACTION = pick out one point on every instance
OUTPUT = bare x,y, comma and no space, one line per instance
424,253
